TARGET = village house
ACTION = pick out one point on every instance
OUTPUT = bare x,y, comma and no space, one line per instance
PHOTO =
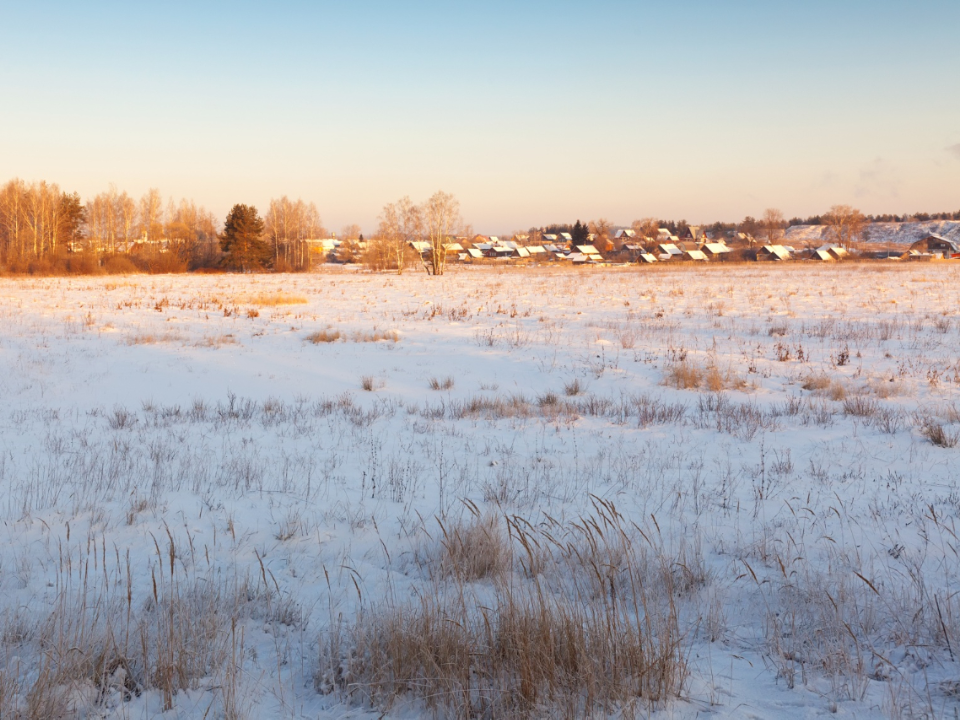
776,253
937,244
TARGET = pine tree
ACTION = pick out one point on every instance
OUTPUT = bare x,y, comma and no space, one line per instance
242,241
580,234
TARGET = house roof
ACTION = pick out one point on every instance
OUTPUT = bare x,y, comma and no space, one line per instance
647,258
535,250
523,252
587,250
550,238
567,236
696,255
716,248
474,253
778,251
670,249
822,255
625,233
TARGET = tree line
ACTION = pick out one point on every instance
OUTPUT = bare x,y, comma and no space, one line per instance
45,230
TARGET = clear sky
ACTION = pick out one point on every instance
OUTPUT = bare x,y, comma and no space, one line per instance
529,112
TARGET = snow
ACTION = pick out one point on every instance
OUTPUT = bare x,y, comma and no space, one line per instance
195,409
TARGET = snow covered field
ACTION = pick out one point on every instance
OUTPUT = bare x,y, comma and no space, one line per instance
224,496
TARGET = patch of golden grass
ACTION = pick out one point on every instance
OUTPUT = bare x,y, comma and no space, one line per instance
376,336
826,386
688,375
326,335
272,299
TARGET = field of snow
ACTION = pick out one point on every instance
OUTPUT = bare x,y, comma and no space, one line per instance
729,490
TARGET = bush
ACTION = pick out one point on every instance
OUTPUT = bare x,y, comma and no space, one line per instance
119,265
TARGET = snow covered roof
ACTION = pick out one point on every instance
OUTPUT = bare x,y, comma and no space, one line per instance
670,249
587,250
715,248
551,238
420,246
474,253
696,255
625,233
523,252
535,250
567,236
822,255
778,251
453,247
647,258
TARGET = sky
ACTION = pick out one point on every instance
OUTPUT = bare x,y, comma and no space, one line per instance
530,113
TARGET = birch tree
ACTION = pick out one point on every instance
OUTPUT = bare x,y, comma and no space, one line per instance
441,219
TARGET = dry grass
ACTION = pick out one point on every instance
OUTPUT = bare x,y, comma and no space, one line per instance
328,335
816,382
574,388
474,549
376,336
446,383
324,336
273,299
590,626
101,644
940,436
826,386
689,375
153,338
215,341
862,406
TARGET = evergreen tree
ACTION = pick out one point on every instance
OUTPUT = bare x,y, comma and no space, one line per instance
579,234
242,241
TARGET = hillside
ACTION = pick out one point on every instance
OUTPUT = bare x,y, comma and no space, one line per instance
890,232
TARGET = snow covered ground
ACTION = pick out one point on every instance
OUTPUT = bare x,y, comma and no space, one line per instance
208,482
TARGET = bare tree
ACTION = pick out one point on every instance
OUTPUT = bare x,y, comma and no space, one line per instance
772,223
601,230
401,223
151,216
845,224
647,228
289,227
12,199
441,216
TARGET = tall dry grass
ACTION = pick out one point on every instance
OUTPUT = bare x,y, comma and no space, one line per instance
518,621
